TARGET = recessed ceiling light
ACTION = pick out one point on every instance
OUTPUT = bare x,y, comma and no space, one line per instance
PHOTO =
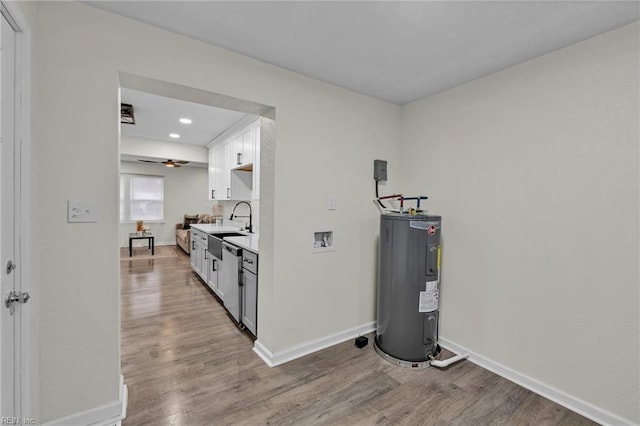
185,121
174,135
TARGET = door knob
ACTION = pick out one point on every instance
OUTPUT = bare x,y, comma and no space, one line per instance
15,297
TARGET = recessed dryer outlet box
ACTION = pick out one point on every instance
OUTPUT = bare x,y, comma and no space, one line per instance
379,169
323,240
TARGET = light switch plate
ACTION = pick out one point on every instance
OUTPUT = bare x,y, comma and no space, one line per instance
331,202
81,211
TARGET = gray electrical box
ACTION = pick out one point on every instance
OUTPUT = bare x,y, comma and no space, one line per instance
379,169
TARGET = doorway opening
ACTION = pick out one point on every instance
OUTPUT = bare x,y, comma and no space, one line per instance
168,166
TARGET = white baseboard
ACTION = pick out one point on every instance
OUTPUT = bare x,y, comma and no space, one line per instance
263,352
298,351
581,407
110,414
124,398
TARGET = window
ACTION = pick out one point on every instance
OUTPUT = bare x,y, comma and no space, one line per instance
141,197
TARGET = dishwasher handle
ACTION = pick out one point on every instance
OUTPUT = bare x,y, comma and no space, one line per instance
232,250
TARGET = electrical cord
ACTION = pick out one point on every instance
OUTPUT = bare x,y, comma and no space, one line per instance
379,202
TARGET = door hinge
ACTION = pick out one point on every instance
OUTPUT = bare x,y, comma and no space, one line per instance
14,297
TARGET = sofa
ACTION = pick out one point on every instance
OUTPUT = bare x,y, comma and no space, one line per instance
183,233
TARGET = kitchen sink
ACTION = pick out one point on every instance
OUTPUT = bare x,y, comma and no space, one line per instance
215,242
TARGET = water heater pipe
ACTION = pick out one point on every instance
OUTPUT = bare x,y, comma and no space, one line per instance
390,196
447,362
418,198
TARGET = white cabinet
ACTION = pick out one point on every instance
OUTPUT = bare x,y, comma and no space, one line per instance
206,264
222,176
250,291
242,145
214,268
193,256
199,256
234,163
250,301
236,149
212,174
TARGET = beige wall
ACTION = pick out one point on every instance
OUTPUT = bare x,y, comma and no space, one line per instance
550,145
327,138
185,192
535,171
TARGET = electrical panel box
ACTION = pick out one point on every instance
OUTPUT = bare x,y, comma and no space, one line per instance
379,169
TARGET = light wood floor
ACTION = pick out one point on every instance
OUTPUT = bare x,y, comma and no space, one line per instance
185,363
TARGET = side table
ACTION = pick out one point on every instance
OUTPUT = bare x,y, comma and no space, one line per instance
143,236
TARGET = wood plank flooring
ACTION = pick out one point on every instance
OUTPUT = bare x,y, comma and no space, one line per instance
143,252
185,363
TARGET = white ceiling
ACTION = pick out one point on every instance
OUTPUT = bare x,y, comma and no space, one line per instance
158,116
396,51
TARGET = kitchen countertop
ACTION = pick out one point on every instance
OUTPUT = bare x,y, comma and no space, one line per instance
249,242
211,228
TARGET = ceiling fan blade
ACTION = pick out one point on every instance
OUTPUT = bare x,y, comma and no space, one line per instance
168,163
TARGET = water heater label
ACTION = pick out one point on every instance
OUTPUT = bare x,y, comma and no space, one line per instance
429,297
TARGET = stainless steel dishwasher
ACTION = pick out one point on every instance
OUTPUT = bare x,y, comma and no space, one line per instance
215,268
229,281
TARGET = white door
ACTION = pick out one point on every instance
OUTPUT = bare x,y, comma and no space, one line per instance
9,204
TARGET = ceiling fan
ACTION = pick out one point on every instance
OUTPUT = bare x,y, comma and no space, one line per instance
168,163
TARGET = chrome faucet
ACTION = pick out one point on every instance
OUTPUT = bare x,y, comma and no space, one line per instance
250,227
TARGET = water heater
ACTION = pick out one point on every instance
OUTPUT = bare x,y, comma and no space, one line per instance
408,288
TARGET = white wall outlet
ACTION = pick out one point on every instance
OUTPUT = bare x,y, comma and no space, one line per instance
331,202
81,211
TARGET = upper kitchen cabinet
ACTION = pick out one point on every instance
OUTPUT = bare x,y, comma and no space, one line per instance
233,162
222,177
212,174
242,146
219,178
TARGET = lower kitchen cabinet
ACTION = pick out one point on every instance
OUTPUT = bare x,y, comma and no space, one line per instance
250,291
250,301
199,256
238,292
193,256
214,268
